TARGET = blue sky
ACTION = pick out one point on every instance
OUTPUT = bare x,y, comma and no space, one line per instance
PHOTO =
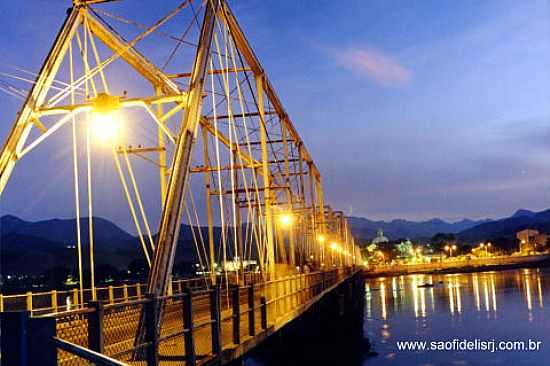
411,109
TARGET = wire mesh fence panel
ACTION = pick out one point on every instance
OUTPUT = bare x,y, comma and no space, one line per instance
120,326
171,331
70,359
72,327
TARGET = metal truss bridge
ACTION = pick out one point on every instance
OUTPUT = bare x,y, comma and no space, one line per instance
182,107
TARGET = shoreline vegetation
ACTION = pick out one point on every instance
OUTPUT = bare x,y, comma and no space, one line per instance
465,266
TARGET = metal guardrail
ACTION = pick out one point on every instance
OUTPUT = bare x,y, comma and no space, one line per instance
196,324
97,358
39,303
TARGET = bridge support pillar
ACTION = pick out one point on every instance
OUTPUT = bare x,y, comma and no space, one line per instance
95,327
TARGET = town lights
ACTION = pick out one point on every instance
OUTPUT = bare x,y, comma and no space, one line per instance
105,122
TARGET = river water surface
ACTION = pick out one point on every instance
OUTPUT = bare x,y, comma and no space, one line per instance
500,306
507,306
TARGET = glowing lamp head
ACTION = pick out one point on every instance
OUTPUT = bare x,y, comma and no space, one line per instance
286,220
106,126
321,238
106,118
454,247
334,246
447,247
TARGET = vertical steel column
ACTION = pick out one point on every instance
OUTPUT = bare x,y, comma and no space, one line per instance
266,179
238,222
162,152
263,312
215,317
251,311
321,202
291,257
95,327
315,239
209,214
187,309
235,302
151,330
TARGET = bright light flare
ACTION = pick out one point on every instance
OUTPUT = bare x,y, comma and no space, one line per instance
106,126
286,220
321,238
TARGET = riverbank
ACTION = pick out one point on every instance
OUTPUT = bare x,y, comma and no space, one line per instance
467,266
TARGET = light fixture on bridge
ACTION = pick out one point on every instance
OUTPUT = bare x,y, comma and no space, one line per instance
286,220
106,122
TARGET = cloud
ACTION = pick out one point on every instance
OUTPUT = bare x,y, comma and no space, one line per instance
375,65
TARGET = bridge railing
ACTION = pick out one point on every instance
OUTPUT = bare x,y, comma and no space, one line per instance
41,303
196,324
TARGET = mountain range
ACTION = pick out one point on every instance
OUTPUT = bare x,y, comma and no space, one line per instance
417,230
34,247
467,231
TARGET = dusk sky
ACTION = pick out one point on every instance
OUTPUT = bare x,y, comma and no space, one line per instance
411,109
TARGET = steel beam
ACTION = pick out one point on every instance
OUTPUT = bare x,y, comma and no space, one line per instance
170,222
22,126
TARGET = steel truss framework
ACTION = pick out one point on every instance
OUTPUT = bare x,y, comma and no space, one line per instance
260,184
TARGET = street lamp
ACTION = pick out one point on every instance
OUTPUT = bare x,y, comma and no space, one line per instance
286,220
106,117
418,253
450,248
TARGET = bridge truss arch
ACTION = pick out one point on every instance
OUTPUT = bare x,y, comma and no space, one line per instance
206,119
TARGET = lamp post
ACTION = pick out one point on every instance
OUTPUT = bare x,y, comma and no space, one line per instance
450,248
418,252
486,246
321,239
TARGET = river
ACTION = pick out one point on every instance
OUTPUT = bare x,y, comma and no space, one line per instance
490,310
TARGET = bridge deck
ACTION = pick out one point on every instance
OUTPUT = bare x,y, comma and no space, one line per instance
285,300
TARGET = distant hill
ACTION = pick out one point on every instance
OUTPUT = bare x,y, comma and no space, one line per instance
33,247
63,230
416,230
523,212
507,227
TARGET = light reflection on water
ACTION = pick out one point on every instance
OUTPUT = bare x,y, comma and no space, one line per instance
506,305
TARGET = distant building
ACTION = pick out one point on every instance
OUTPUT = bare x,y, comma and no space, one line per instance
380,238
531,240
